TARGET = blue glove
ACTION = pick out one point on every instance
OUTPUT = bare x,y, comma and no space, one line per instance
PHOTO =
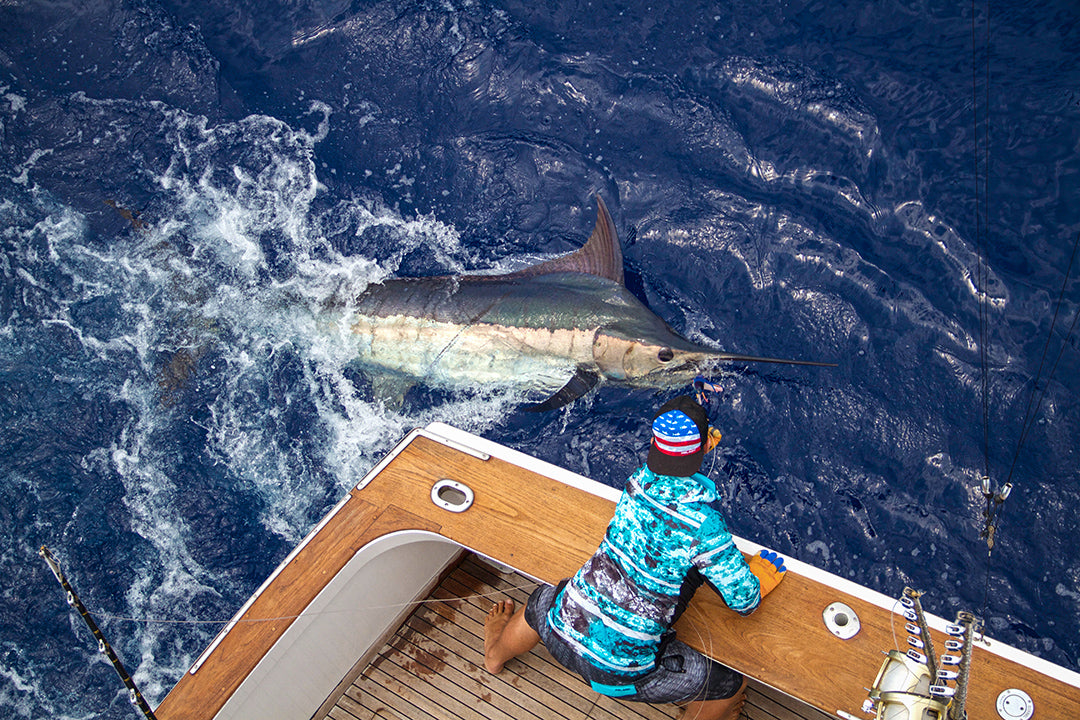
769,569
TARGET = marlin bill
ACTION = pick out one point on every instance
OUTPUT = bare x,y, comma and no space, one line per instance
558,328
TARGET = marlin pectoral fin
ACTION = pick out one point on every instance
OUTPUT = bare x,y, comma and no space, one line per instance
390,390
582,382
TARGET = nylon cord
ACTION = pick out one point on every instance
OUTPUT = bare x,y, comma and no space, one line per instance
1029,415
392,606
982,211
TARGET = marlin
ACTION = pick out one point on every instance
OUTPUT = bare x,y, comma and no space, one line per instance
568,323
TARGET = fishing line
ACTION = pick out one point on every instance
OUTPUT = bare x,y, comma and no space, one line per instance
895,639
982,212
392,606
474,320
892,625
994,510
982,224
1029,415
706,639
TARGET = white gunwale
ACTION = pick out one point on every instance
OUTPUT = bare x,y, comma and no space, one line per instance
445,433
247,660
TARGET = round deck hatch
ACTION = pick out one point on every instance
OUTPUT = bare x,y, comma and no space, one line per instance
841,620
1013,704
452,495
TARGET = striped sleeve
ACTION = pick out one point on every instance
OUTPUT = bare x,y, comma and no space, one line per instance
723,566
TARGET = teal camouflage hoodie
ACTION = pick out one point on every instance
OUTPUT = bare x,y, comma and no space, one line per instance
614,611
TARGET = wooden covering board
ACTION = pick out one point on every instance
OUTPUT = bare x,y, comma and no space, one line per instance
547,529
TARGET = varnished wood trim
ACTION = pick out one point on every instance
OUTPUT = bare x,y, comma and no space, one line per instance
296,584
546,529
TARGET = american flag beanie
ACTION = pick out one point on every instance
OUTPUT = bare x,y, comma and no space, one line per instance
674,433
677,436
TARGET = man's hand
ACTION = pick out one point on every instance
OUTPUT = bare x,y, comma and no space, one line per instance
712,440
769,569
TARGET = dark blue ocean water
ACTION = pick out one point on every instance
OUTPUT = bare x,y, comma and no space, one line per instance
184,184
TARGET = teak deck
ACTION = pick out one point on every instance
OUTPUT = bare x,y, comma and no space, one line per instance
546,528
432,669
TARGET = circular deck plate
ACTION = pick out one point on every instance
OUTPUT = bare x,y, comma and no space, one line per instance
841,620
1013,704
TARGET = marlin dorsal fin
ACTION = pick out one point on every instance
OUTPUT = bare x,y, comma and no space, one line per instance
601,255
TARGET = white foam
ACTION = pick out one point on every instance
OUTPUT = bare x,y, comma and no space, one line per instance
23,178
204,289
28,694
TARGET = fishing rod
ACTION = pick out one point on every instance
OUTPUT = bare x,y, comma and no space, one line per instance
104,647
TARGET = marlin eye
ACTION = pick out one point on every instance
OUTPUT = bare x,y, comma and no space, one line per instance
665,355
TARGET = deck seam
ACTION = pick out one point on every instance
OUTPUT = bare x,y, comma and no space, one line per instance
434,661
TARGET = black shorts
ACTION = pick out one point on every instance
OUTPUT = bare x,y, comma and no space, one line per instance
681,674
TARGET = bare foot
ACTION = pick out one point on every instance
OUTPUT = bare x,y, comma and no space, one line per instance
729,709
736,710
494,625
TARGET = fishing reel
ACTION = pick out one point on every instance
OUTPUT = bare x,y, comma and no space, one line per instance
902,691
914,685
707,395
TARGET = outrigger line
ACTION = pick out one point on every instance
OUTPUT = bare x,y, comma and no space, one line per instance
1029,414
103,645
995,498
